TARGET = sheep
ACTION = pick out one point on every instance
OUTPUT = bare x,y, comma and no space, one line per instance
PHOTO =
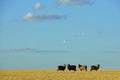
61,67
71,67
82,67
95,67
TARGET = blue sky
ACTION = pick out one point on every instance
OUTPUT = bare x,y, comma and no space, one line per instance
38,34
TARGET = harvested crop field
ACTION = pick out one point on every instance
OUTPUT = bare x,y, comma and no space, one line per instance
59,75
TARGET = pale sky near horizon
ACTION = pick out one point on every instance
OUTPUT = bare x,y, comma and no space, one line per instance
38,34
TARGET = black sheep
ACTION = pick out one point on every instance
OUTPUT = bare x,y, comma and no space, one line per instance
95,67
71,67
61,67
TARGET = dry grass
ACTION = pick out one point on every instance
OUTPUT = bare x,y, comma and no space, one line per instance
59,75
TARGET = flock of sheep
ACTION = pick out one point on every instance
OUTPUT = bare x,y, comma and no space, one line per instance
81,67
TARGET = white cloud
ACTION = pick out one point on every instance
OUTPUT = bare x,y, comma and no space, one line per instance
83,34
64,41
112,52
75,2
31,16
28,16
37,6
32,50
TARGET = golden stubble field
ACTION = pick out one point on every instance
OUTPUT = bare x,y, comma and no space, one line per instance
59,75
